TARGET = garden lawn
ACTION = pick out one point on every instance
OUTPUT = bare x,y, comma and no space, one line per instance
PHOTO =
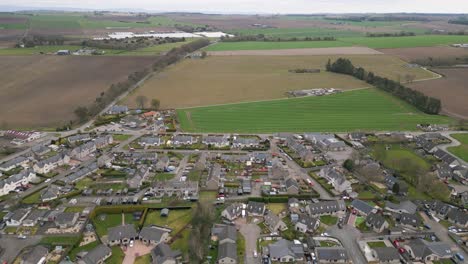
117,256
182,242
365,109
86,247
297,32
111,220
60,240
176,220
276,208
462,150
377,244
145,259
163,176
328,220
264,45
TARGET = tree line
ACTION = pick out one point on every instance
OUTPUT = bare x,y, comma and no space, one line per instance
105,98
40,40
129,43
399,34
459,20
426,104
262,37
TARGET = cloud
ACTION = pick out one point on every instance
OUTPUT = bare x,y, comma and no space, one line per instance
258,6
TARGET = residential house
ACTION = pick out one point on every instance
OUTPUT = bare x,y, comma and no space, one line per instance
336,178
83,151
103,141
422,250
326,208
121,235
377,222
292,187
97,255
233,211
226,235
440,209
214,177
117,109
81,173
362,207
227,253
331,255
403,207
286,251
300,149
50,193
411,221
183,190
277,171
245,142
49,164
150,141
179,140
326,142
35,255
66,219
153,235
256,208
34,217
390,181
307,224
357,136
388,255
163,254
246,186
458,217
79,138
220,141
40,150
460,174
162,163
17,217
446,158
274,223
13,163
15,181
293,203
138,177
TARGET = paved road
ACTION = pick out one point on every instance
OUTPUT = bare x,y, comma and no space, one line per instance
442,233
13,246
251,233
454,143
349,237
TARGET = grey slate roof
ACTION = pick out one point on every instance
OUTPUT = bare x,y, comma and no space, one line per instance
387,253
285,247
13,162
405,206
256,208
409,219
65,218
458,216
362,206
331,253
152,233
422,248
227,250
97,254
122,232
375,220
163,252
327,207
35,255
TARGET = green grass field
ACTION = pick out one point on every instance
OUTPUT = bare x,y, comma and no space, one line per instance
51,49
298,32
462,150
375,43
367,109
259,45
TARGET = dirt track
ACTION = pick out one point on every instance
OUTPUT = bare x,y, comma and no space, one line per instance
295,52
452,90
45,90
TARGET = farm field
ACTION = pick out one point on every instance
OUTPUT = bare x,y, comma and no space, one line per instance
296,52
231,79
374,42
38,50
462,150
298,32
51,87
367,109
411,54
451,90
261,45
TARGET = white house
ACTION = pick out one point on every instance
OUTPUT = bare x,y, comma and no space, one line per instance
11,183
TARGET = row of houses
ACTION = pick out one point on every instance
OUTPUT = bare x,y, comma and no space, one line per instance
32,217
226,237
16,181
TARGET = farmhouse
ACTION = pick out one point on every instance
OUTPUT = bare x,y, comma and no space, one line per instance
326,208
121,235
49,164
163,254
17,180
97,255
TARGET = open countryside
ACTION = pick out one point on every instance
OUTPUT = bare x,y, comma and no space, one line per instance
368,109
231,79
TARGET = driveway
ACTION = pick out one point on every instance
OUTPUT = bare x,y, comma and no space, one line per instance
349,237
138,249
251,233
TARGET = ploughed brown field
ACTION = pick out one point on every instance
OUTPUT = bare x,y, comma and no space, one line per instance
452,89
232,79
410,54
43,91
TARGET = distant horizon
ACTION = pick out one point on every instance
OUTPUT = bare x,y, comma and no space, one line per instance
267,7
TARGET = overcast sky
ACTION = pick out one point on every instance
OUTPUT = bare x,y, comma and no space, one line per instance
257,6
